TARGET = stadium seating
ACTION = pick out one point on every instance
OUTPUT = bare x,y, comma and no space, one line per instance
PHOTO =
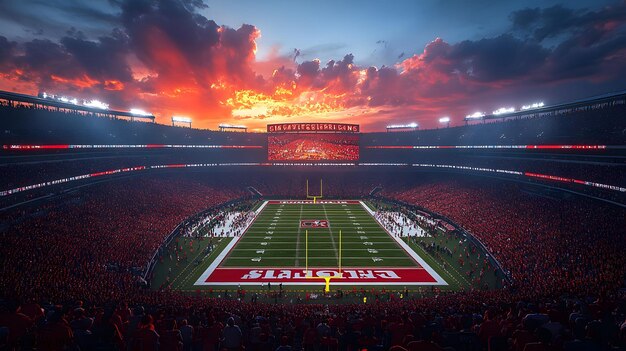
70,268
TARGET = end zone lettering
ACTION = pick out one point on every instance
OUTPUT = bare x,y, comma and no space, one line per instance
310,202
313,223
264,274
300,276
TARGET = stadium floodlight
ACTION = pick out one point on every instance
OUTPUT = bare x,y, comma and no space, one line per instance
445,120
139,112
475,115
533,106
503,110
65,99
403,126
181,119
96,104
234,126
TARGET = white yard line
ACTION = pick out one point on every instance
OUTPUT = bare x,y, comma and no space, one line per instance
297,261
332,238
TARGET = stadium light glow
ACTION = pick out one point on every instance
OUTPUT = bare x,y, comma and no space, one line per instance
139,112
533,106
475,115
236,126
503,110
401,126
181,119
444,120
96,104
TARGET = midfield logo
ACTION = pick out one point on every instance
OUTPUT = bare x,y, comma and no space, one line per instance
313,223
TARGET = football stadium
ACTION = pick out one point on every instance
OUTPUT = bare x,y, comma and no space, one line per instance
170,183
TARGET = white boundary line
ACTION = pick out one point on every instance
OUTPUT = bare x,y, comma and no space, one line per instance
408,249
218,260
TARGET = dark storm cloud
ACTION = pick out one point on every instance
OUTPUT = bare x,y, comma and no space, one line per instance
171,39
45,59
6,50
494,59
192,35
166,51
103,59
571,60
588,41
50,17
558,20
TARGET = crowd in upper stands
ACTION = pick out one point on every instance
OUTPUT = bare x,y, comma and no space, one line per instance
603,126
550,245
70,268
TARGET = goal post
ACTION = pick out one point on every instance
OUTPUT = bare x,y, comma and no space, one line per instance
315,196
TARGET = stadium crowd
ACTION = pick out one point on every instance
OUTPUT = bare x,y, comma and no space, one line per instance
89,244
70,270
548,245
463,321
68,282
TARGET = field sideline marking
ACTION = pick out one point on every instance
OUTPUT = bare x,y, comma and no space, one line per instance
216,262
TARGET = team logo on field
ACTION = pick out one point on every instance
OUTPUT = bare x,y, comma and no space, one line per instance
313,223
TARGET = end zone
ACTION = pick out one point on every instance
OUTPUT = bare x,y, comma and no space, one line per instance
299,276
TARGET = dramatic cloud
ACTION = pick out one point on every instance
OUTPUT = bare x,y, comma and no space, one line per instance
164,56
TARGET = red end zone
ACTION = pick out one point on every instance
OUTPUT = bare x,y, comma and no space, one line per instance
318,202
298,276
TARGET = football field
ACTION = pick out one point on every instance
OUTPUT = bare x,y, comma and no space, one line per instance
296,242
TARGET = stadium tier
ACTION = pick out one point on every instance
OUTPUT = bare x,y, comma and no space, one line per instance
118,234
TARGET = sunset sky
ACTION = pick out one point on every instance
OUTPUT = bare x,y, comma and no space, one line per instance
367,62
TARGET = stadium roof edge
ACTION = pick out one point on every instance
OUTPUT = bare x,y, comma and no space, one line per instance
17,97
566,105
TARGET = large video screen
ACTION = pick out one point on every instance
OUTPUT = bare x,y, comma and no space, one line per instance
313,147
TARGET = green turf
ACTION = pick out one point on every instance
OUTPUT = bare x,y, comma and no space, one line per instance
277,231
286,248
